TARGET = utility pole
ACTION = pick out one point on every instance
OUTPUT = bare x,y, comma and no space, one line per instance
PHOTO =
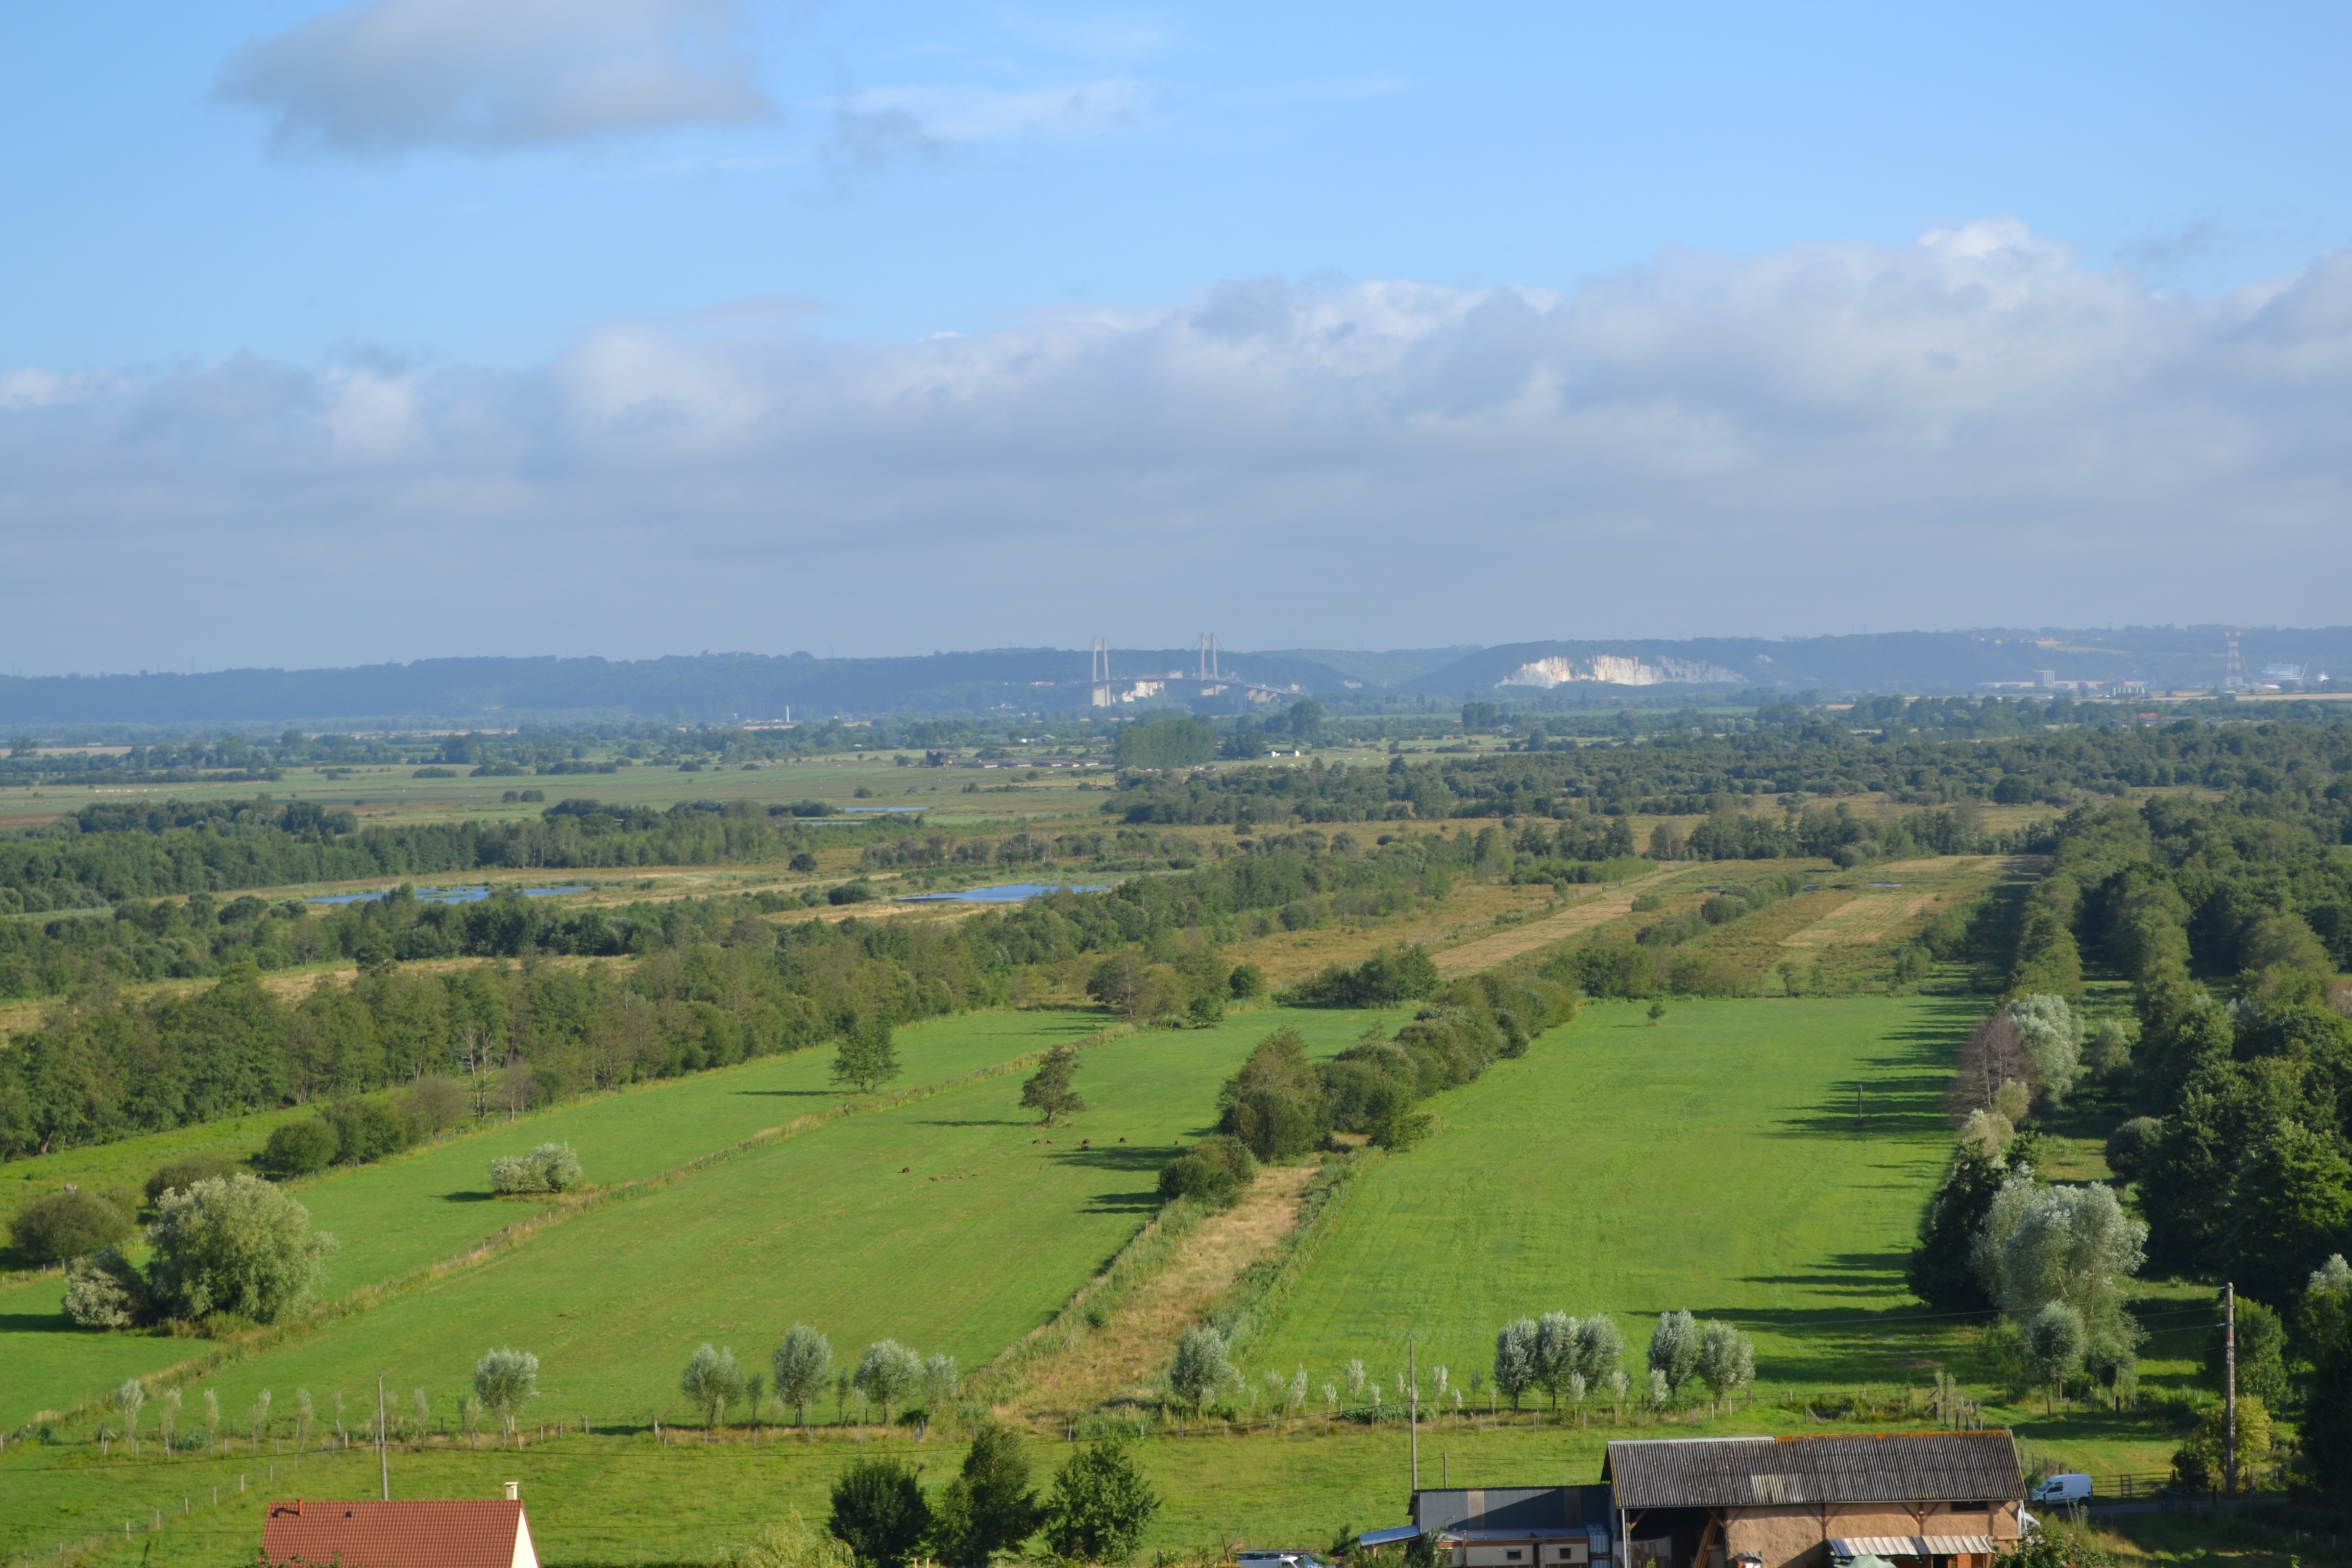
383,1454
1412,1406
2230,1387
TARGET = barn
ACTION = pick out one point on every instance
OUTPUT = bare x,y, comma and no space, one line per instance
1916,1499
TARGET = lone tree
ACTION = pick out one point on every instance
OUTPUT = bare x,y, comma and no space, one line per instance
505,1380
1201,1367
887,1374
866,1059
879,1509
710,1385
237,1245
1726,1361
804,1365
1048,1092
1099,1508
989,1506
1674,1349
1515,1365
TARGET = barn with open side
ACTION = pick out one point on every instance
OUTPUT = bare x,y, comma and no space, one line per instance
1923,1499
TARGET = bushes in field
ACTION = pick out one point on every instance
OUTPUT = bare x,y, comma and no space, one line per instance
1280,1105
550,1168
1402,973
231,1245
1215,1171
71,1224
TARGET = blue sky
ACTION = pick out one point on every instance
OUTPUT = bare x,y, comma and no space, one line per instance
1258,309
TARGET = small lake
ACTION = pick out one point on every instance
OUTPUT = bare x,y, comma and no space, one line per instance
443,895
1008,893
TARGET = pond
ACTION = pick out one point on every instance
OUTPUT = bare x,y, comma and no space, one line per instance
442,895
1007,893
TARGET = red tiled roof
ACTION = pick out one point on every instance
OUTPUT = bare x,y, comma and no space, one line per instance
422,1534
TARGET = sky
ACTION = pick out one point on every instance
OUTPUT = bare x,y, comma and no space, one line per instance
338,333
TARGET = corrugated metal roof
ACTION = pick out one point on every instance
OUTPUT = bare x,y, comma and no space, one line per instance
1511,1509
1910,1545
1746,1472
373,1535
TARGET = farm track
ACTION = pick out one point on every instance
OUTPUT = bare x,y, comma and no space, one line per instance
1501,947
1120,1360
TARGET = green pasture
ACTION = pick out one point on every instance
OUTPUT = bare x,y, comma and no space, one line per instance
434,1203
621,1498
1712,1161
950,1223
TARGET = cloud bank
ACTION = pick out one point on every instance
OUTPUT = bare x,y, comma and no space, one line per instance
1973,429
387,76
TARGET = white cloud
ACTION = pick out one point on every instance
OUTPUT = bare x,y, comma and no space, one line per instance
880,123
1973,429
386,76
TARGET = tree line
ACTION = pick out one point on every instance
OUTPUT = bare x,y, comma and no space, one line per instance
2232,1074
1693,773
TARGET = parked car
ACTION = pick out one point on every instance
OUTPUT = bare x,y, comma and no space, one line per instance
2072,1487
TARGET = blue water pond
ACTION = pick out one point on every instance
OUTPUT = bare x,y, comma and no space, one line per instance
1007,893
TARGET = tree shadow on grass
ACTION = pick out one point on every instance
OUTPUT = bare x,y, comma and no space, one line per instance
1851,1345
791,1093
976,1122
37,1323
1903,1091
469,1198
1872,1272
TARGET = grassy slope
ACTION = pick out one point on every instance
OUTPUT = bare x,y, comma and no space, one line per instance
433,1203
1710,1162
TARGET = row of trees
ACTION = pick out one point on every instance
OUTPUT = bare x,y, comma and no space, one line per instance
1573,1359
1096,1511
1721,776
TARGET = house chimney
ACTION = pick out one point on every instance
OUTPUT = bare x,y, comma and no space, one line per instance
514,1491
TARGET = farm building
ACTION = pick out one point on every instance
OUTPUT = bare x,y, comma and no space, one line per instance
1923,1499
1514,1527
368,1534
1930,1500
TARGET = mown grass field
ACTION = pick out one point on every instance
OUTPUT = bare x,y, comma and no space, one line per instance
434,1203
1712,1161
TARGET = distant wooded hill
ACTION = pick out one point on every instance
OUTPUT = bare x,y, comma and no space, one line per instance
743,686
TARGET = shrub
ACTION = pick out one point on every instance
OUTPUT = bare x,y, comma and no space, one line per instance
550,1168
366,1129
301,1148
879,1512
433,1105
857,892
1099,1508
2132,1145
1404,972
1247,982
67,1225
989,1506
104,1292
1214,1171
185,1172
236,1245
1275,1103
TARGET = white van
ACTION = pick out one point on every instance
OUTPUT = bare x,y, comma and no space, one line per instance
2071,1488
